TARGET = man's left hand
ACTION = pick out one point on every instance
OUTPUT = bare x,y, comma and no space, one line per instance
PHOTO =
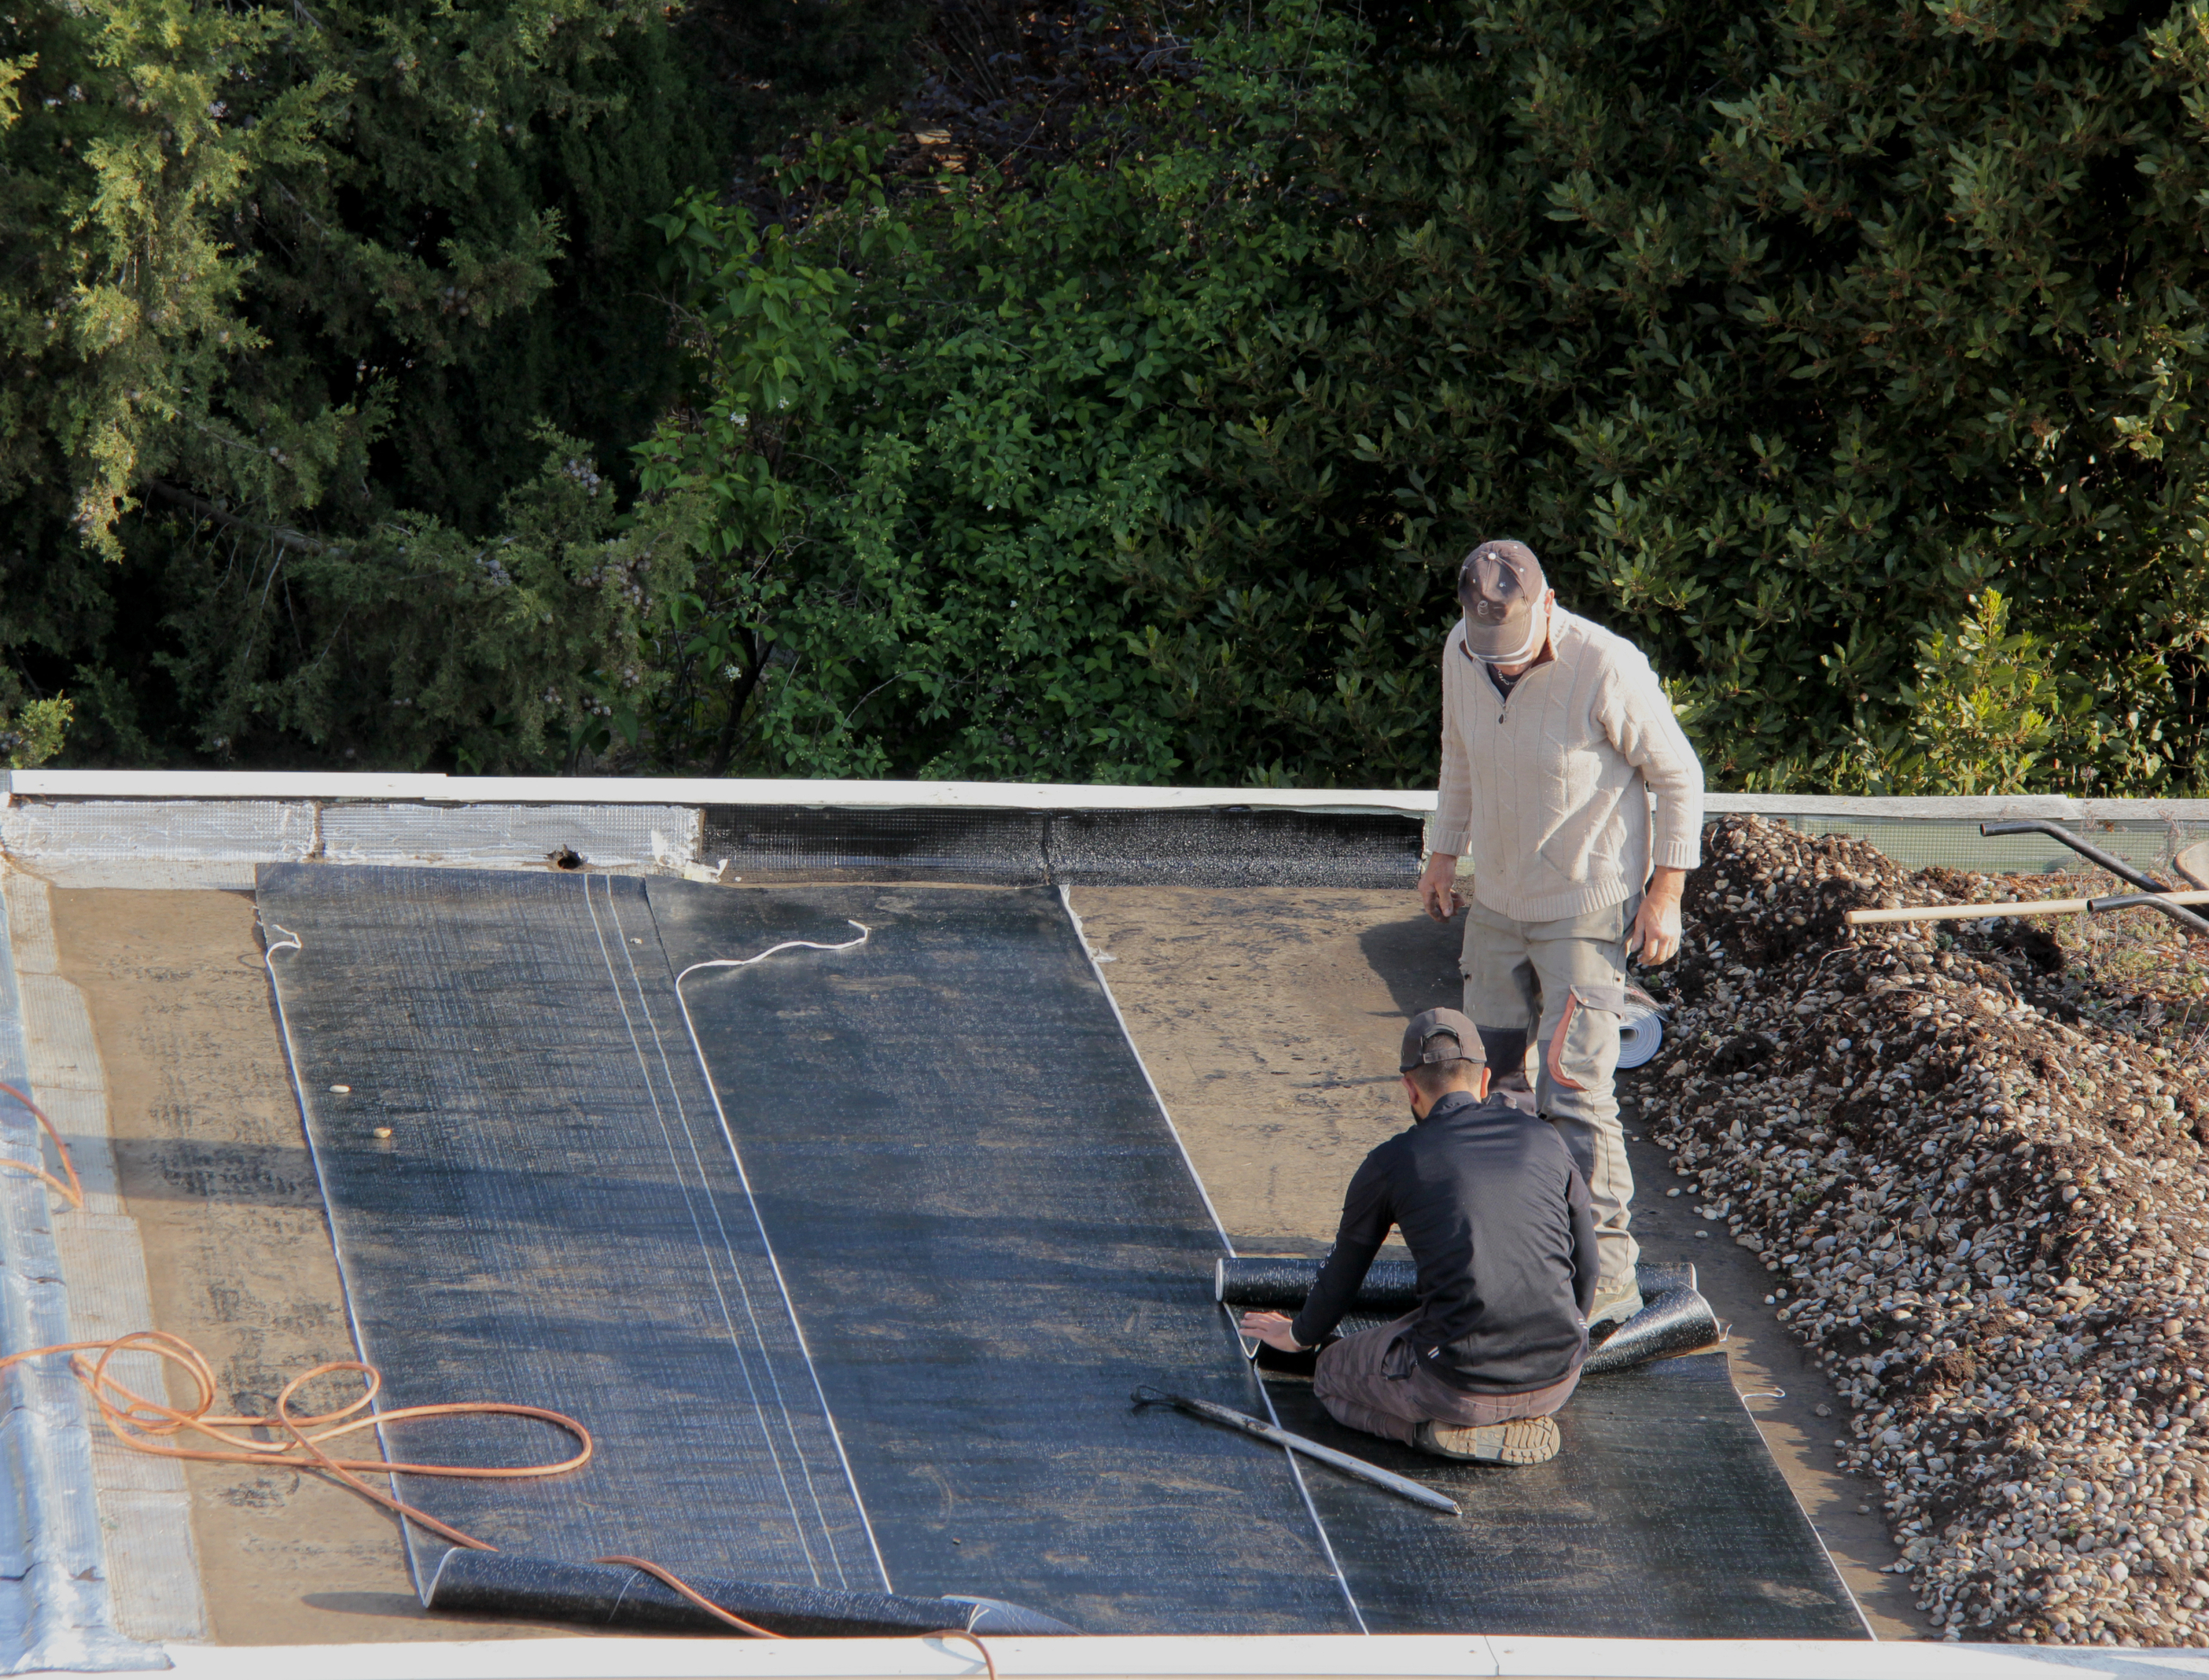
1655,934
1273,1329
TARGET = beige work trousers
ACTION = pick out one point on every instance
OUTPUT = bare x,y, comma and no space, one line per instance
1557,989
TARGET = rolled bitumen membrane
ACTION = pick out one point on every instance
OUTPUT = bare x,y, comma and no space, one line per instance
1205,848
1679,1321
499,1584
852,1291
1391,1286
1674,1318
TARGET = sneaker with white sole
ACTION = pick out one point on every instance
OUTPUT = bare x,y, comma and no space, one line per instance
1526,1441
1616,1303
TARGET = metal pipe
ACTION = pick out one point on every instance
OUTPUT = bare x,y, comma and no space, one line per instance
2168,902
2125,900
1211,1412
2117,866
2092,854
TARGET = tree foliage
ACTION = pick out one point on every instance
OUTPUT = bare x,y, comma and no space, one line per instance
1783,330
292,297
1797,336
1120,410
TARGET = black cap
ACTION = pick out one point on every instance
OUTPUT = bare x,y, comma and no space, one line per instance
1441,1036
1499,586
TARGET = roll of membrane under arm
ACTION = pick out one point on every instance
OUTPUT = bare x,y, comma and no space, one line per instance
500,1583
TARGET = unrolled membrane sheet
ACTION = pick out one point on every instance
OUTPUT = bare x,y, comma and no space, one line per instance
956,1185
982,1219
990,1236
553,1218
1663,1516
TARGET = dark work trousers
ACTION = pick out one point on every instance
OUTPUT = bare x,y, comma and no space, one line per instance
1352,1380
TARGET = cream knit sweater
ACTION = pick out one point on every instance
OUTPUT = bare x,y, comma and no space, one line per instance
1548,793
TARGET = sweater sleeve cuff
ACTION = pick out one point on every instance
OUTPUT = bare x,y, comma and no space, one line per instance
1454,841
1677,851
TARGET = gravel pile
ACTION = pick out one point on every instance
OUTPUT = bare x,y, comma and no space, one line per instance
1989,1222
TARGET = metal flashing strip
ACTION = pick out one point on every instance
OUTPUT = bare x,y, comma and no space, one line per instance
1198,846
210,829
145,1507
1190,1657
321,786
599,836
334,786
54,1579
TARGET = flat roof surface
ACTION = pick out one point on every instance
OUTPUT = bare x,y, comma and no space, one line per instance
1267,1017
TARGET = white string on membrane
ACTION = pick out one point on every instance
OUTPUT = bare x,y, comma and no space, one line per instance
866,932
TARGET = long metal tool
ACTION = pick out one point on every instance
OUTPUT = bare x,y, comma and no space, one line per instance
1228,1415
2127,900
2124,871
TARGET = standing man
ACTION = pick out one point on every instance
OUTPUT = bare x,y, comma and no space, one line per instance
1497,1220
1556,742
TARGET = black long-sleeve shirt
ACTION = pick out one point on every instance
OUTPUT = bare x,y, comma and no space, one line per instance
1499,1225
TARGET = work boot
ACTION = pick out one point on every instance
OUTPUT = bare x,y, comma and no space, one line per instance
1529,1441
1615,1302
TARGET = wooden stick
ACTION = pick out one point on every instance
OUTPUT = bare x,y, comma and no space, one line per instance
1980,912
1968,912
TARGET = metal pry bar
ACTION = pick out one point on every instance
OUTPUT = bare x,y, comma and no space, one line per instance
2093,854
2166,901
1211,1412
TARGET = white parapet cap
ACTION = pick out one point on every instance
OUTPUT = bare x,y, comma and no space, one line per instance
689,790
698,790
1261,1657
1992,807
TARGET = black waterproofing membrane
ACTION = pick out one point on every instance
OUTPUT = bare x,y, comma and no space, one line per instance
1224,846
853,1288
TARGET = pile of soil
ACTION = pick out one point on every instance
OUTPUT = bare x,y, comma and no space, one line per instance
1986,1213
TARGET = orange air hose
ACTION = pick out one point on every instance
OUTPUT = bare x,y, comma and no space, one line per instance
139,1422
73,1190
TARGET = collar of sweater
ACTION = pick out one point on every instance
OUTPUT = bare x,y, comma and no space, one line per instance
1568,635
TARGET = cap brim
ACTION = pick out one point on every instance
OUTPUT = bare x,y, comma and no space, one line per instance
1495,641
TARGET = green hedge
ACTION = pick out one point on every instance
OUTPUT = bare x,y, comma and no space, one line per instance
1843,355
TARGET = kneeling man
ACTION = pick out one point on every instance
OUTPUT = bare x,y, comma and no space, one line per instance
1499,1222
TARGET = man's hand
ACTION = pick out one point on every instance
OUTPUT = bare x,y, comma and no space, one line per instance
1272,1329
1437,887
1656,933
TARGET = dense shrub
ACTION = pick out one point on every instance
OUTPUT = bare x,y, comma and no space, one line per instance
290,299
1843,355
1121,412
